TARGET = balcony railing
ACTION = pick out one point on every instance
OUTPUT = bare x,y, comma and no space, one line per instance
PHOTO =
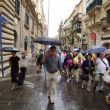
77,18
95,3
77,27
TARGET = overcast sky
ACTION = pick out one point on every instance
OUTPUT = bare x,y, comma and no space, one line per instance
58,10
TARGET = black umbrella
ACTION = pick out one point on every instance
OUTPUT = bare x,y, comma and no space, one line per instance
47,41
9,49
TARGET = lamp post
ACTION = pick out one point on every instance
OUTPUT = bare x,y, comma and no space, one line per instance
48,16
3,20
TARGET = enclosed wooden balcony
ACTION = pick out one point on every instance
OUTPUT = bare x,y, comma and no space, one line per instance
91,6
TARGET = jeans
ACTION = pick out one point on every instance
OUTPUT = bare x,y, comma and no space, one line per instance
99,82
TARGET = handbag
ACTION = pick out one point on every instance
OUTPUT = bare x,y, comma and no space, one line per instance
105,64
76,66
84,77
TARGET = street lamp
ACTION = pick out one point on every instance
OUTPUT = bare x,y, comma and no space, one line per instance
48,16
3,20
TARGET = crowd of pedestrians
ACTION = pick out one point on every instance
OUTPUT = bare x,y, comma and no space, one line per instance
87,69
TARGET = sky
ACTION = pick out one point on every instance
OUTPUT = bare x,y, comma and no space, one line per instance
58,10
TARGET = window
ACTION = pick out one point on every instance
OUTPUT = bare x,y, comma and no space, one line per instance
32,26
15,38
26,19
17,6
94,18
25,43
108,16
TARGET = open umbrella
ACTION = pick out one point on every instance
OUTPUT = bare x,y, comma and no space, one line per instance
83,51
96,49
47,41
76,49
9,49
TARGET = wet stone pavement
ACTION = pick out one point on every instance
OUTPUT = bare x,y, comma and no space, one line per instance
32,96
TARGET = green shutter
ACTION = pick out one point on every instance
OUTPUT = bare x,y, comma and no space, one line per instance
71,40
26,19
17,6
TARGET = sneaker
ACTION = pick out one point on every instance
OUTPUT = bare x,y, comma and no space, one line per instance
94,88
13,88
82,86
50,101
68,80
107,99
88,89
63,71
101,91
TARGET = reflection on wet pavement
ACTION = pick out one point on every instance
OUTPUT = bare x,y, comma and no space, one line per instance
33,95
69,96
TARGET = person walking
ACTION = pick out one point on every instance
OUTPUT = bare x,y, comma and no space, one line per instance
62,58
53,65
68,64
101,66
79,70
39,61
14,63
87,75
23,63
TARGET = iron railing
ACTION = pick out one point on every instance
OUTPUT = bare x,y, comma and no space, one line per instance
93,4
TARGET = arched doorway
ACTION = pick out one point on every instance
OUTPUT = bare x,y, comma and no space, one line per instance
32,44
25,43
107,45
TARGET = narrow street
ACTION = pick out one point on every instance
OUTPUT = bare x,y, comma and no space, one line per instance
33,96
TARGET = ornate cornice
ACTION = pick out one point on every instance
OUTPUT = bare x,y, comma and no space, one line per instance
30,9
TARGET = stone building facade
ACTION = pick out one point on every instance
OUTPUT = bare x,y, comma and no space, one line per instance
105,26
90,24
74,28
7,9
22,28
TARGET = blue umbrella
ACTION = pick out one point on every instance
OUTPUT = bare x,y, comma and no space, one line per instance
96,49
47,41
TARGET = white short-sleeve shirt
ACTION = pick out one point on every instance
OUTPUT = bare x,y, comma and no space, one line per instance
100,67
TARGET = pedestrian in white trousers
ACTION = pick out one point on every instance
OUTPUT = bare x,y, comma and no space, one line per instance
53,65
51,81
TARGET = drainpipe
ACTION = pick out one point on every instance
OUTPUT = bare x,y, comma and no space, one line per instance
1,53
